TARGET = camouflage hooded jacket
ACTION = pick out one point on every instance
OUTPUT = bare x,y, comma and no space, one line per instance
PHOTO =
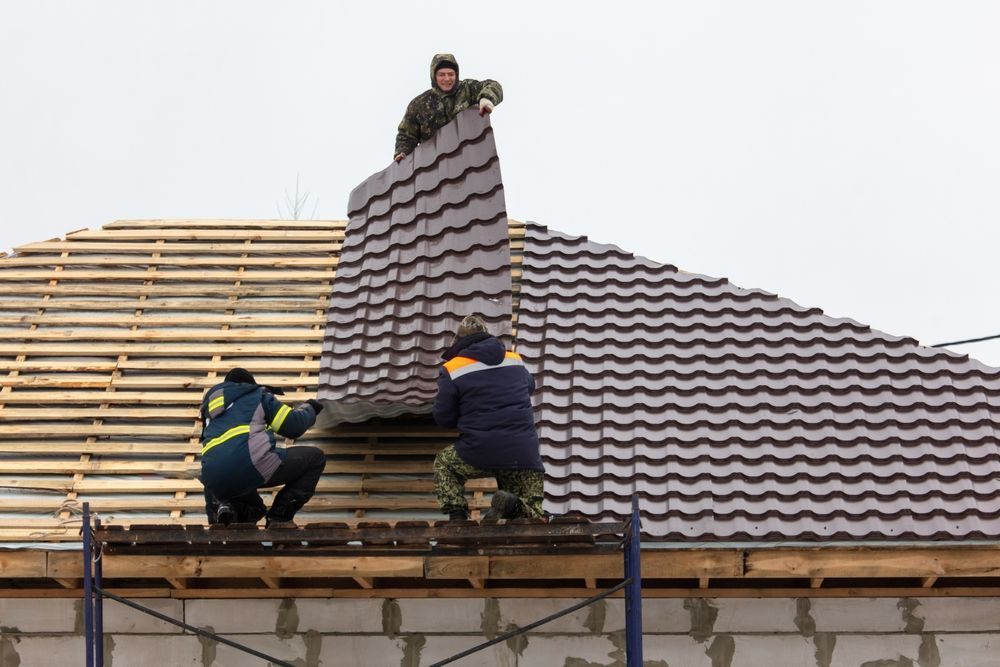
433,109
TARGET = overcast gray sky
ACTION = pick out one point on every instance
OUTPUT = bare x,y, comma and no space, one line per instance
842,154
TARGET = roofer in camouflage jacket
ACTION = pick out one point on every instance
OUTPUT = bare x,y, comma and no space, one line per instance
448,96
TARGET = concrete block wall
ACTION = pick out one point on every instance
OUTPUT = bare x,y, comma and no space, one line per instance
744,632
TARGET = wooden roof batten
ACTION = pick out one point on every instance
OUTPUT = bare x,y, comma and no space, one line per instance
108,339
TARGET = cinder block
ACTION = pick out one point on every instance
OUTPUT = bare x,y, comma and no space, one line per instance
522,611
772,650
676,650
367,651
969,650
659,616
119,618
45,650
856,615
40,615
614,615
289,650
739,615
959,614
174,650
339,615
438,648
853,650
228,616
553,650
662,615
445,616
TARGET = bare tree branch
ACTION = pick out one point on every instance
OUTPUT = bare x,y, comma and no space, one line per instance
294,206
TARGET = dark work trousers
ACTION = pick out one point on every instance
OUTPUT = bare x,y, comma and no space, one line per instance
299,472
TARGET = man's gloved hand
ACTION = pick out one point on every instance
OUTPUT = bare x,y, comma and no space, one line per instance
316,405
485,106
398,156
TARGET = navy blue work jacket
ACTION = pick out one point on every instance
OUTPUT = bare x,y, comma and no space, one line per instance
485,392
238,452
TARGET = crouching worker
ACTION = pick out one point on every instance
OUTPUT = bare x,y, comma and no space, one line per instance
485,392
238,452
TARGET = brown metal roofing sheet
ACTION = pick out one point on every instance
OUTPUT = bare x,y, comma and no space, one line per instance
736,414
427,243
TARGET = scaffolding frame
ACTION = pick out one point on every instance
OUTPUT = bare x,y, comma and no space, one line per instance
94,594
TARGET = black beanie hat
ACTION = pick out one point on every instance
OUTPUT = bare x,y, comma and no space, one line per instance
446,63
240,375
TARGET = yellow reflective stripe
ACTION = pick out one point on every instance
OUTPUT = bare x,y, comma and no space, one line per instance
279,418
216,402
228,435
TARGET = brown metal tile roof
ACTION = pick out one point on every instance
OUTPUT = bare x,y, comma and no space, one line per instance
427,243
736,414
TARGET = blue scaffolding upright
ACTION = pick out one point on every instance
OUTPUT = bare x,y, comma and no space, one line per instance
631,584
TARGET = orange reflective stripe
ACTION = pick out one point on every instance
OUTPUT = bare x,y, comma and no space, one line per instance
453,365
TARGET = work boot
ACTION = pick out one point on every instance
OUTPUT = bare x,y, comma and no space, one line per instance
505,505
284,508
458,515
225,514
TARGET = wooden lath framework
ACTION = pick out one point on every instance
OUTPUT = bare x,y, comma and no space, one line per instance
108,339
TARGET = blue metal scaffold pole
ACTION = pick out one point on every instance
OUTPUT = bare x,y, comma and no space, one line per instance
633,592
98,602
88,588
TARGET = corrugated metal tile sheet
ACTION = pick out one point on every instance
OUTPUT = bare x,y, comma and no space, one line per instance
427,244
736,414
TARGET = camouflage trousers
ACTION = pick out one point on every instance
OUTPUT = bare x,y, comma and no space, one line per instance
451,472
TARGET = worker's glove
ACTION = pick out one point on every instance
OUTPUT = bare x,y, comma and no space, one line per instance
316,405
273,390
485,106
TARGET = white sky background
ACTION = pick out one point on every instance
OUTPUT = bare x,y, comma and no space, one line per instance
842,154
